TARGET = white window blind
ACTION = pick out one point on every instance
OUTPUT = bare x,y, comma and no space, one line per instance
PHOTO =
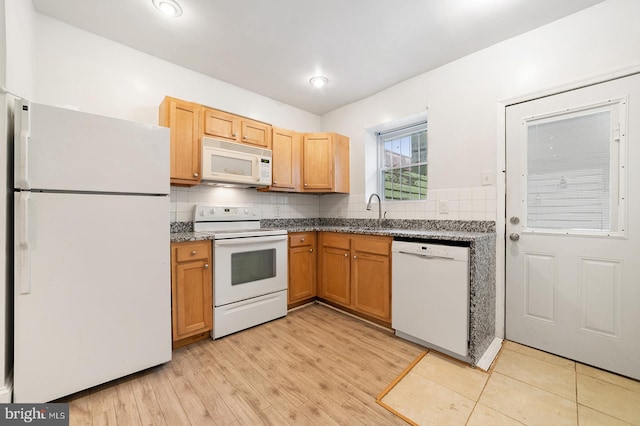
569,172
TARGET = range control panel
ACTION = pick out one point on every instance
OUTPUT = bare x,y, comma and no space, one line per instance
433,250
440,251
208,213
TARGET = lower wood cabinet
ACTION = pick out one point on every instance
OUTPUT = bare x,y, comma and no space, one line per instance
302,268
354,272
191,291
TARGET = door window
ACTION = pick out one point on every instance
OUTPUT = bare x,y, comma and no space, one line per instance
573,171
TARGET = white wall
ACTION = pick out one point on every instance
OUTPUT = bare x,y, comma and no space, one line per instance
462,96
466,101
91,73
75,67
19,22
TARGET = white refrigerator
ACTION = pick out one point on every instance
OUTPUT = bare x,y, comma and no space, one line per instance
92,291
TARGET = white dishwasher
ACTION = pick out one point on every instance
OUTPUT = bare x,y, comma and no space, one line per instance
430,295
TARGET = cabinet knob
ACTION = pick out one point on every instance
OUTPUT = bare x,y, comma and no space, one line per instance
346,254
193,253
310,250
355,257
275,182
302,240
195,175
233,134
206,266
244,137
305,184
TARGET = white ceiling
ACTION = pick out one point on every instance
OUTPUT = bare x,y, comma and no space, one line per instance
273,47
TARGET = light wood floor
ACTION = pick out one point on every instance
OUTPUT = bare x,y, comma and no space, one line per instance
313,367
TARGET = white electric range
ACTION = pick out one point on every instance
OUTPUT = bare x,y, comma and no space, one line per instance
250,267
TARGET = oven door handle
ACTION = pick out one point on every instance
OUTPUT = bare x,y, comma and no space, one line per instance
249,240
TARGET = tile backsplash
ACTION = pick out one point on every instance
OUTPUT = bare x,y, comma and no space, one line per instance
461,204
271,204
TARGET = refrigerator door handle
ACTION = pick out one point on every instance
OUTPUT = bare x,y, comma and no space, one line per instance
22,176
24,257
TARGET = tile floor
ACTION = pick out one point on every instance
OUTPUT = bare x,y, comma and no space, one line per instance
524,386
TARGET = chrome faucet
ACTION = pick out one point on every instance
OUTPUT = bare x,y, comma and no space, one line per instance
379,207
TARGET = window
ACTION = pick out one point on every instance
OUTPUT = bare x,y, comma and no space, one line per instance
403,163
573,169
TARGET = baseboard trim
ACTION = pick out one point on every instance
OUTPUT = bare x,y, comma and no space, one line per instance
490,354
358,317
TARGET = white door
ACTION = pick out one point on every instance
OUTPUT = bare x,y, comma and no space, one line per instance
573,225
92,291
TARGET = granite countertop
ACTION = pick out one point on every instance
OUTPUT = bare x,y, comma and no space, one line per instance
479,236
178,237
429,234
444,230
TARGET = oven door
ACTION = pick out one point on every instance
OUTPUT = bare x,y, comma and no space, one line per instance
249,267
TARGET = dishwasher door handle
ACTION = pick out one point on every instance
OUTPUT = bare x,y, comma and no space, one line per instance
424,256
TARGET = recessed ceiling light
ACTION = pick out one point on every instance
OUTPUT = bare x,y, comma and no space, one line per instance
168,7
318,81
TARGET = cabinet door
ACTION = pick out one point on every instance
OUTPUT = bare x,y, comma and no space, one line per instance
372,285
317,162
302,274
192,315
256,133
191,289
221,125
334,272
183,118
371,279
286,159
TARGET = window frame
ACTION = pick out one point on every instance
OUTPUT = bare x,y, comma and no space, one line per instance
396,133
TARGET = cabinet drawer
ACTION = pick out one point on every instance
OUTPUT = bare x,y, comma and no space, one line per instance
299,239
336,240
374,245
193,251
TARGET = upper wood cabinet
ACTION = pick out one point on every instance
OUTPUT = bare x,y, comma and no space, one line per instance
222,125
183,118
311,162
286,160
325,163
256,133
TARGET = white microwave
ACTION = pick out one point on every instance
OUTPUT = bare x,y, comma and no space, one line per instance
233,164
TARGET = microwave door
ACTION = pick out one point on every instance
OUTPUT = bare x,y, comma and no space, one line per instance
225,167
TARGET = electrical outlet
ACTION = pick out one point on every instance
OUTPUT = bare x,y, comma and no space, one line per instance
443,206
486,178
277,211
